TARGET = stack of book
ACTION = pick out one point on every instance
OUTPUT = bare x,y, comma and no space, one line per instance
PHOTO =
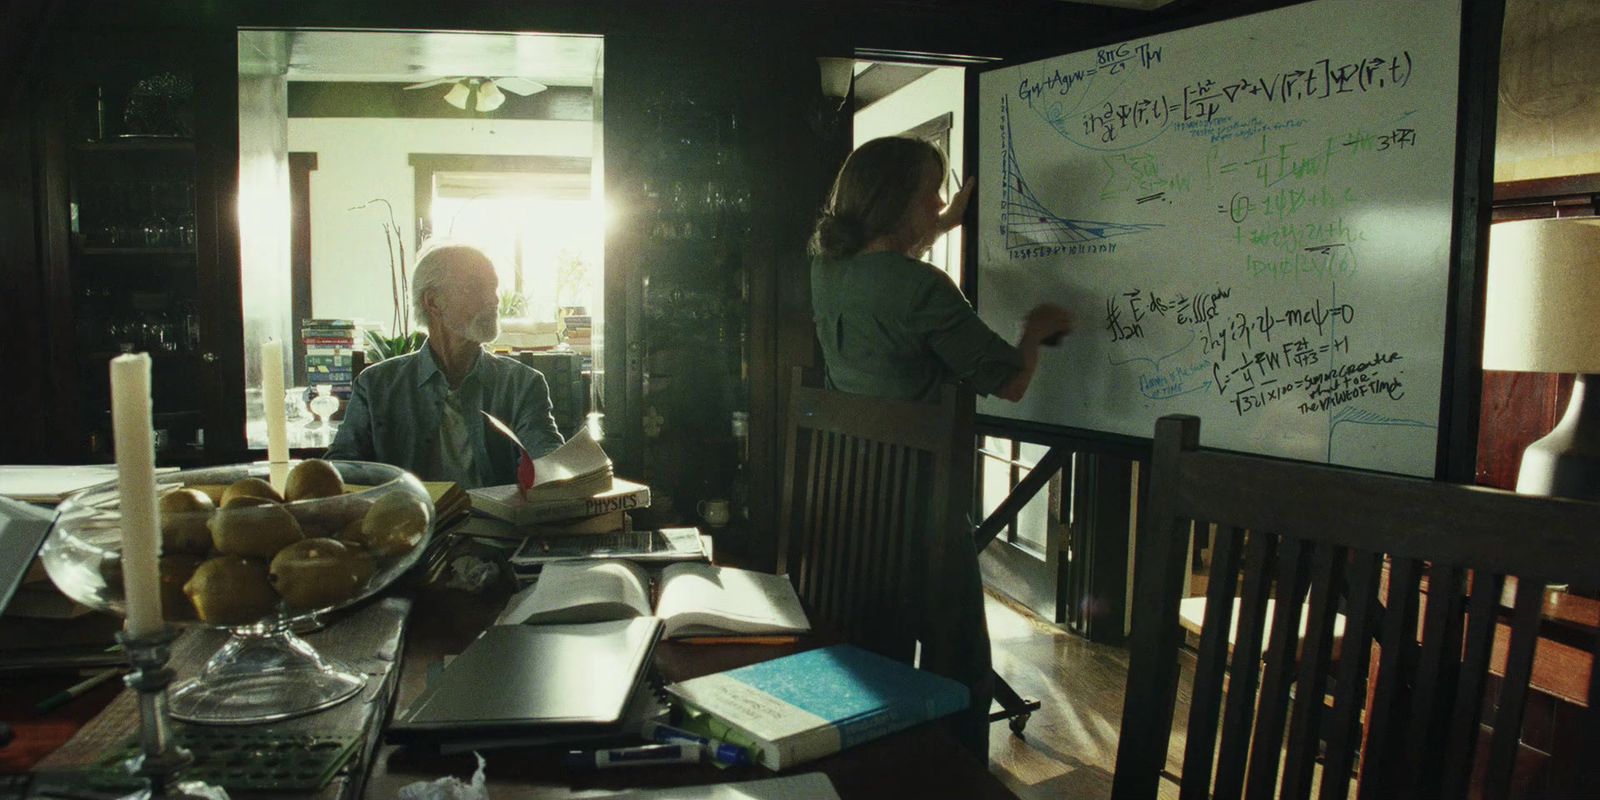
450,502
330,347
574,492
520,334
577,331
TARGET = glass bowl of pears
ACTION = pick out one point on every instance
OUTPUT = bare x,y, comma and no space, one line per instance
240,555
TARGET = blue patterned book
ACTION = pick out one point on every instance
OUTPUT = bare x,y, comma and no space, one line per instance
801,707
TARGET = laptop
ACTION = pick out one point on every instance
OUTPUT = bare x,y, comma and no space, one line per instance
517,681
22,531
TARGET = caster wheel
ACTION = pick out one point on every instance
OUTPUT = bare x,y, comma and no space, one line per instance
1019,722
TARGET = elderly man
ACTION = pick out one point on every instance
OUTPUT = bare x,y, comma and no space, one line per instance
421,411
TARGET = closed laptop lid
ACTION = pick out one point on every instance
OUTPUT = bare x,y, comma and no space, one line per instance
22,531
516,676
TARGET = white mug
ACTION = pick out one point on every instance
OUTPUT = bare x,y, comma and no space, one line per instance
714,512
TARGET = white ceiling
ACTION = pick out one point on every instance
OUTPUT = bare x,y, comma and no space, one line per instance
407,57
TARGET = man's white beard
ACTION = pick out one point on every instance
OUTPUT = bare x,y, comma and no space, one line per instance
483,328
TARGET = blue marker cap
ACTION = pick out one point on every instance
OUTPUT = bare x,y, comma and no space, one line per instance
719,750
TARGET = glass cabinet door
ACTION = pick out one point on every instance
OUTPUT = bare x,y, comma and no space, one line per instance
127,168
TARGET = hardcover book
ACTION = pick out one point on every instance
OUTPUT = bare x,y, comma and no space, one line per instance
507,503
802,707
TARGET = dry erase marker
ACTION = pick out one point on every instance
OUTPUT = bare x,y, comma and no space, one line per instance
719,750
682,753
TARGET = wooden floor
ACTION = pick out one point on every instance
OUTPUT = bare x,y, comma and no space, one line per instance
1070,745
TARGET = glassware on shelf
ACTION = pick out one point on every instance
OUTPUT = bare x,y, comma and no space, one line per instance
155,230
264,671
186,223
190,335
324,405
294,405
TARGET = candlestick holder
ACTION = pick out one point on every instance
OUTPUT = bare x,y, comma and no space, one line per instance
160,758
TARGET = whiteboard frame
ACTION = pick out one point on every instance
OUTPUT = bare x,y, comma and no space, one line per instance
1462,375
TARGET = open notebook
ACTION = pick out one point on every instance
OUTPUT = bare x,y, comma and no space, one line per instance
694,599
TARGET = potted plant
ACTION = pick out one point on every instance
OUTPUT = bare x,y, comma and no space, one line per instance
402,338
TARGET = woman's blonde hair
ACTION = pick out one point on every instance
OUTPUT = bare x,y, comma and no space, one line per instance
872,192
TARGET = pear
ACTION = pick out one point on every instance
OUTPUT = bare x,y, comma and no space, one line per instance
249,487
396,523
313,478
176,570
229,590
254,528
183,521
319,573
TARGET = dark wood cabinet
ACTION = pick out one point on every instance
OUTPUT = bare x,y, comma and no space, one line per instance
679,396
121,182
716,160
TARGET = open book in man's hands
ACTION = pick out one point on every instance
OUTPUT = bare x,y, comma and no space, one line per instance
695,599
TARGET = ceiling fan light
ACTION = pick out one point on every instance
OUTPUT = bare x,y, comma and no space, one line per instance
458,94
489,96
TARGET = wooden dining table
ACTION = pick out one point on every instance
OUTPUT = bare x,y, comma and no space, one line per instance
396,641
923,761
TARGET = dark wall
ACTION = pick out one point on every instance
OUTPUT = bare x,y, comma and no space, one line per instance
23,334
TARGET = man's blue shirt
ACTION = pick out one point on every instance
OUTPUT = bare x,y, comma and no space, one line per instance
394,410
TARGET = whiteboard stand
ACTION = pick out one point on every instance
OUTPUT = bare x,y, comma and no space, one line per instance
1012,705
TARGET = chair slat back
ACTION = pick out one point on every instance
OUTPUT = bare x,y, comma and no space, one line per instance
1416,569
868,509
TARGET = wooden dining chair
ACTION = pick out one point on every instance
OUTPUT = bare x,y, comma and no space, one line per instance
1424,568
867,507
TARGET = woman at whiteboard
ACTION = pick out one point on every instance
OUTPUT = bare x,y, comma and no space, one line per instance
892,325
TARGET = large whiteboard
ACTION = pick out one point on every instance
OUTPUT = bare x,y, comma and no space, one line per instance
1250,221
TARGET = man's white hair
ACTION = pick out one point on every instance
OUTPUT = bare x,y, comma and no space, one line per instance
437,262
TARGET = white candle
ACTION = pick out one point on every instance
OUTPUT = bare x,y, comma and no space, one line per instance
136,485
272,405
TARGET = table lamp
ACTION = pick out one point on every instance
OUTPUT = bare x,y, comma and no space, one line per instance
1543,315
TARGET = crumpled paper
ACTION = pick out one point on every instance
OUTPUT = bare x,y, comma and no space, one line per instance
472,574
448,788
195,789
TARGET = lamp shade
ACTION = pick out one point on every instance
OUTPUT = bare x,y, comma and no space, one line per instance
1543,296
458,94
489,96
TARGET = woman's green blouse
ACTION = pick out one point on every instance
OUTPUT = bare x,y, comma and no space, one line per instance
893,326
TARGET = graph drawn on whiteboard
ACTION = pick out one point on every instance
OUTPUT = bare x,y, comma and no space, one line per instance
1025,220
1250,221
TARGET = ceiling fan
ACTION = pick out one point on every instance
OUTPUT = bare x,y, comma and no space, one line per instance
471,93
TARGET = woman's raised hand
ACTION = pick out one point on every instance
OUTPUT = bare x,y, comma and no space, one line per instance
951,216
1046,323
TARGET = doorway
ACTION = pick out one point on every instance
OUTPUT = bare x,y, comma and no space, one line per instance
359,147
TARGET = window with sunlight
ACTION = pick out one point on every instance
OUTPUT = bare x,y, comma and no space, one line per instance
542,231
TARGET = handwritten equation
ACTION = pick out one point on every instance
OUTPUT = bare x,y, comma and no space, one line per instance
1108,60
1252,360
1203,99
1256,381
